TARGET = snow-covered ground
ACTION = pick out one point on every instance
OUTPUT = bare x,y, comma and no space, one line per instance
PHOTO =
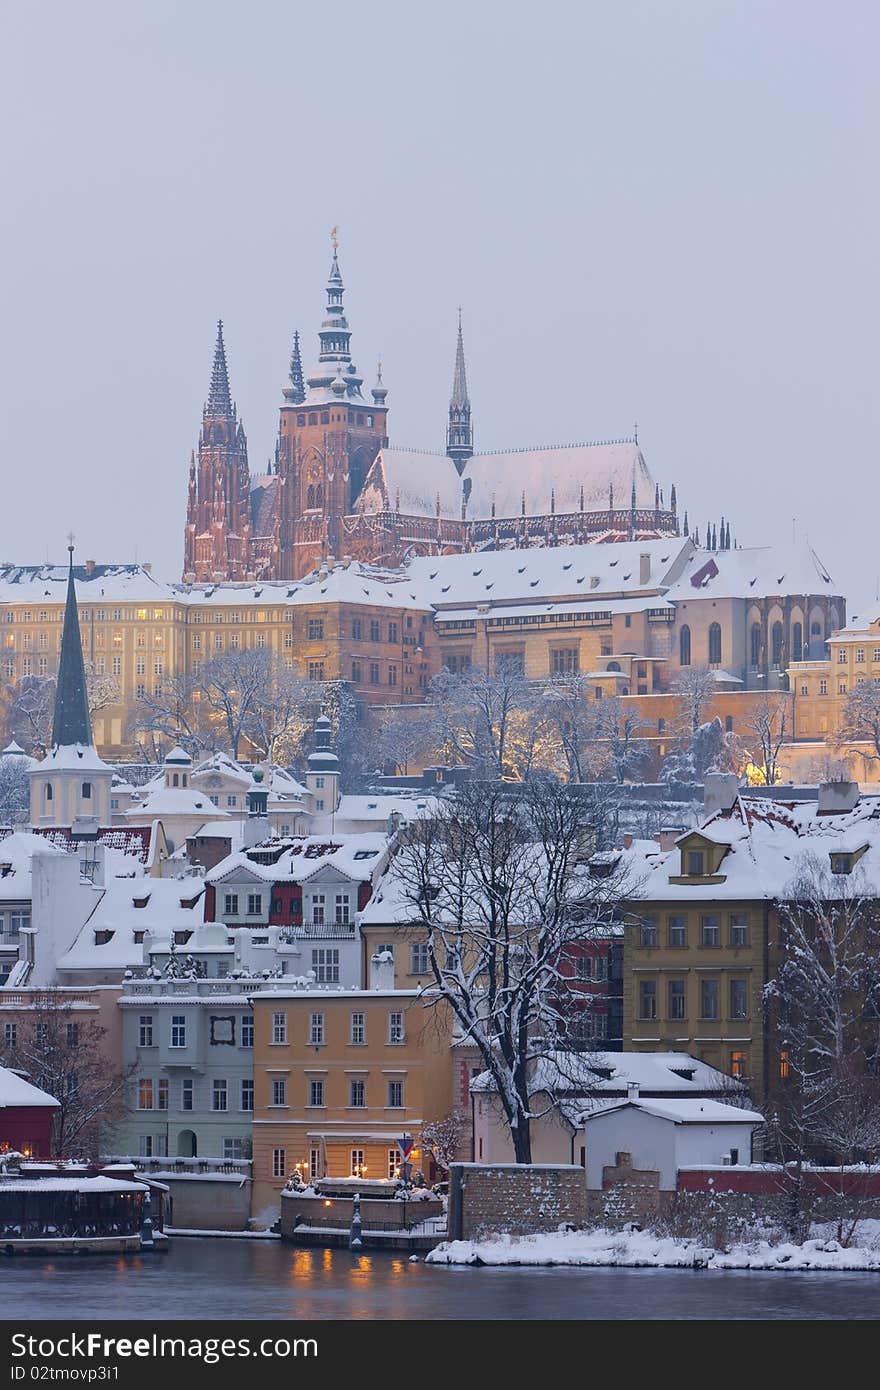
641,1248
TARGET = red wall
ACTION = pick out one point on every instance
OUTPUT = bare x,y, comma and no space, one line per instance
27,1127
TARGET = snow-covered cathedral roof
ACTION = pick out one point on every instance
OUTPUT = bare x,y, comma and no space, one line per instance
550,478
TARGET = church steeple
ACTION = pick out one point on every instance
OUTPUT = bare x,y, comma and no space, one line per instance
71,725
219,399
334,357
295,393
460,432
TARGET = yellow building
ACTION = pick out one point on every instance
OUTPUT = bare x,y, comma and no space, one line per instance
820,689
627,615
339,1077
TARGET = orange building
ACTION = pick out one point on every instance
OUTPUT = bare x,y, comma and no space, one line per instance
339,1077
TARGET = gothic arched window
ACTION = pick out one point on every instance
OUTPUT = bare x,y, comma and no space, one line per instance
756,644
684,647
715,644
310,496
797,642
776,643
319,496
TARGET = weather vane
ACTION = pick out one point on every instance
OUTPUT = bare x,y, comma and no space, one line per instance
334,238
70,540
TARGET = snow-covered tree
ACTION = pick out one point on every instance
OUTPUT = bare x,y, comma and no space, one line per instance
569,708
282,713
401,738
488,720
765,729
617,728
32,711
694,687
860,719
443,1138
497,885
824,1012
62,1050
15,790
706,749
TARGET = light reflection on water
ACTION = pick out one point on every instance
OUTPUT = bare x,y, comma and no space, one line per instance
264,1279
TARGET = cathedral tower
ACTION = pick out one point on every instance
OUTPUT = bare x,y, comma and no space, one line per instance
217,541
329,435
460,431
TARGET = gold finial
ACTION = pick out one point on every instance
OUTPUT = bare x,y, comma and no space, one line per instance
70,539
334,238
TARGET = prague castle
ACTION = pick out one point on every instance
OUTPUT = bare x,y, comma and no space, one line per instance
338,489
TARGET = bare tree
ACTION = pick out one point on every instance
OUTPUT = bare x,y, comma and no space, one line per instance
766,723
101,690
824,1009
15,789
488,720
172,713
860,720
443,1138
618,726
283,710
569,706
694,688
62,1050
400,738
497,882
32,711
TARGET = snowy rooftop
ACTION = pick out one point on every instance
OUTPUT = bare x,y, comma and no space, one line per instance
754,571
684,1112
16,852
610,1073
355,856
15,1091
767,844
159,906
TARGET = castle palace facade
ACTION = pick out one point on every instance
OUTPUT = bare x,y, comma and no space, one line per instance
338,489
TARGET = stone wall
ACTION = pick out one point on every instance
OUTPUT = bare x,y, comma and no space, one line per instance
207,1201
519,1199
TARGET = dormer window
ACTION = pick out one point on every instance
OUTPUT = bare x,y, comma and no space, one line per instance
695,862
841,863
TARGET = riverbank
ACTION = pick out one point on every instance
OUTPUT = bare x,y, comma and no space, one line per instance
642,1249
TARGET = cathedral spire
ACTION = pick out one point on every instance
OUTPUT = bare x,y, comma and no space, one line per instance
71,724
460,432
334,355
219,399
295,393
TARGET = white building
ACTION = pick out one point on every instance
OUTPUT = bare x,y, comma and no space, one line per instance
665,1135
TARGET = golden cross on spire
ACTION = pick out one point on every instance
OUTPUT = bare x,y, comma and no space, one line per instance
334,238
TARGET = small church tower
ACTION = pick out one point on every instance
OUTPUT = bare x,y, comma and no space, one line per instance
71,783
460,431
322,775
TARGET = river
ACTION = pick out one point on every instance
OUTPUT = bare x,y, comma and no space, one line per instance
232,1279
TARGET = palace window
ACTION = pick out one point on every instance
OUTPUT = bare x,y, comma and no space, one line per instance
316,1094
710,930
392,632
395,1028
739,1064
315,629
358,1095
219,1094
279,1029
677,929
709,999
677,1001
418,959
356,672
564,661
374,630
358,1029
145,1093
279,1090
279,1163
357,629
739,999
374,673
739,929
247,1094
178,1030
145,1031
316,670
647,999
648,932
247,1030
684,646
325,964
823,687
395,1095
316,1030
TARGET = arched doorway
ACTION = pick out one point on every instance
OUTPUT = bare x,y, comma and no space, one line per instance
186,1144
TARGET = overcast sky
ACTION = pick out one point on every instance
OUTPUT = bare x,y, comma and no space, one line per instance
664,211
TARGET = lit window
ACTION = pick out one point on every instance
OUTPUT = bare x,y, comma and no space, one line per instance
784,1066
739,1065
145,1093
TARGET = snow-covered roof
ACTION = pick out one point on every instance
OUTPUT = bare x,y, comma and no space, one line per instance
767,843
175,801
16,852
554,478
78,757
378,808
167,905
106,583
580,1074
84,1185
753,572
355,856
683,1112
16,1092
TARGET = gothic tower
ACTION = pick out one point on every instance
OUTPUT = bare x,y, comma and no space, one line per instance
217,541
326,443
460,431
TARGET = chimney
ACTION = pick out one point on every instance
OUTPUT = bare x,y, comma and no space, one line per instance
632,1090
720,790
628,839
644,568
835,798
90,568
382,971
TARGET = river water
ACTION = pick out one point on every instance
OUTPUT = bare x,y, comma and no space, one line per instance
232,1279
